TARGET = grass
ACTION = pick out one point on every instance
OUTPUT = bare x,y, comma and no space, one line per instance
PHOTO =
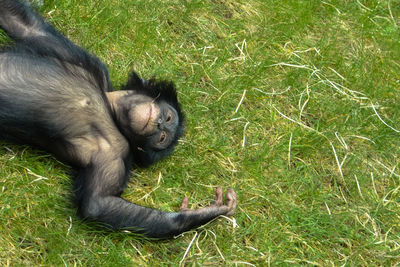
294,104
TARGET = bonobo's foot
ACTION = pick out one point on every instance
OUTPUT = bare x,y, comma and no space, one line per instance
217,207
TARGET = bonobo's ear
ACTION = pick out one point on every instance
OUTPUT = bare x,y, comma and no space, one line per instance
135,82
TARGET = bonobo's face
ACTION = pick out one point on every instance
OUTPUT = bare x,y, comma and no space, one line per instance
157,121
148,114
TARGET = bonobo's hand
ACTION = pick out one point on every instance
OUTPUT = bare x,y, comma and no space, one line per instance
217,207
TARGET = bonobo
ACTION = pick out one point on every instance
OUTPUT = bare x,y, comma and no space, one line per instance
56,96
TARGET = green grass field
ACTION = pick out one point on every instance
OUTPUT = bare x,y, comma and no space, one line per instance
294,104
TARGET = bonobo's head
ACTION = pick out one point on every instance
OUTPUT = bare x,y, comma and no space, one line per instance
149,116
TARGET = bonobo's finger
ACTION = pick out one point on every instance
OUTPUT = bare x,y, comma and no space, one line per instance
184,205
231,201
218,197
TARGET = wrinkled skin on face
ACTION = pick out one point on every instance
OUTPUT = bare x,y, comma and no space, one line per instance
157,121
144,116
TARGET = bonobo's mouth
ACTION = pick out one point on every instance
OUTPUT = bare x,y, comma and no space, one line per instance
149,118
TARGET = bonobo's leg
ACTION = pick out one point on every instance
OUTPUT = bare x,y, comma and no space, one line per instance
32,33
98,188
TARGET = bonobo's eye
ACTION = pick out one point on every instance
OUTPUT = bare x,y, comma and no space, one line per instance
163,137
169,116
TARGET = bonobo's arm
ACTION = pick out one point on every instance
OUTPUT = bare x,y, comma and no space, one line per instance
100,184
33,34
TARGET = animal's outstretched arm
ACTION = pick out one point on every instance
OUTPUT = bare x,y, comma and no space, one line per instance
100,184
